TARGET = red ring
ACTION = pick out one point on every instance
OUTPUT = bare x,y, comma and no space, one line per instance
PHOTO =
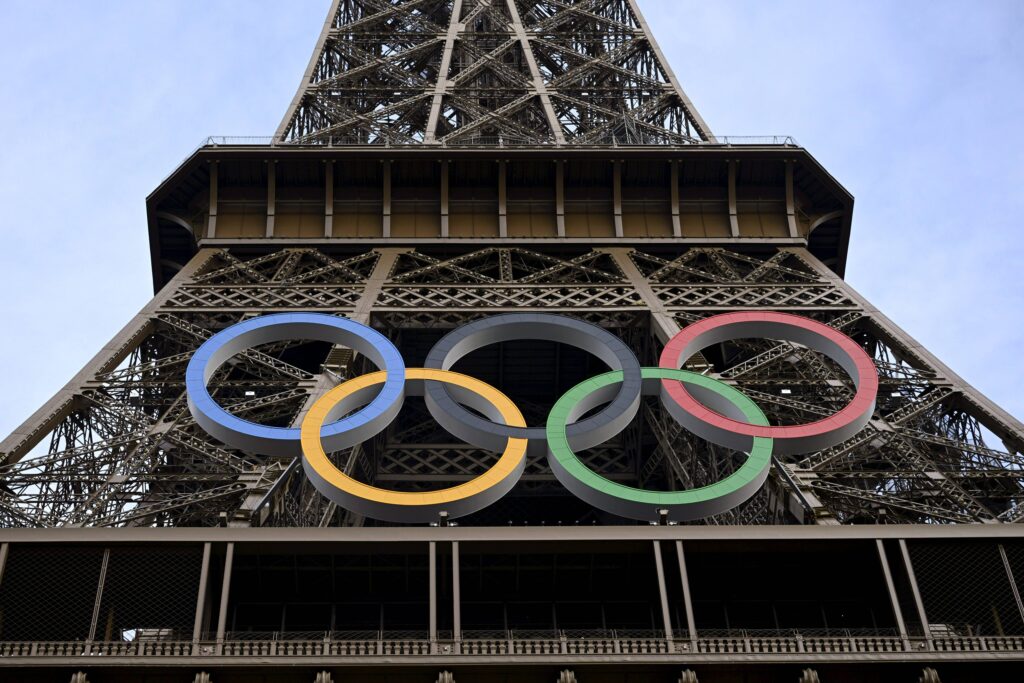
792,438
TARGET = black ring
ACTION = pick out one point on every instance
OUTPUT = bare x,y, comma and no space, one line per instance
544,326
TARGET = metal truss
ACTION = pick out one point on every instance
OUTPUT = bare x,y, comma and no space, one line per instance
118,447
489,72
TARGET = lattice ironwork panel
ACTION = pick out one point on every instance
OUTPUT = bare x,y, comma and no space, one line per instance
965,588
150,593
715,265
509,297
447,319
49,592
510,265
287,266
753,296
285,296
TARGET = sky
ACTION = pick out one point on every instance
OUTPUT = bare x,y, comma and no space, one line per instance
914,106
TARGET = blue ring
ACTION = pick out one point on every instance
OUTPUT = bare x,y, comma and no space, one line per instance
285,441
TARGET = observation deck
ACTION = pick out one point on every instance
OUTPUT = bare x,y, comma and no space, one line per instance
249,194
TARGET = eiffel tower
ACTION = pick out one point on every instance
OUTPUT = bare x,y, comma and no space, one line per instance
442,162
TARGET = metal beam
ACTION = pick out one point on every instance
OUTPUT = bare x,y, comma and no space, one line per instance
734,223
432,559
539,86
790,200
684,577
329,199
909,566
442,85
560,198
502,199
666,618
204,575
891,587
98,602
212,201
225,592
677,226
617,196
271,196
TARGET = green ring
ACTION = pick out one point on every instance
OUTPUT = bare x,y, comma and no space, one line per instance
627,501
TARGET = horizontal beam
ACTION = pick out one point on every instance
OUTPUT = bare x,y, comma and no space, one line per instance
512,534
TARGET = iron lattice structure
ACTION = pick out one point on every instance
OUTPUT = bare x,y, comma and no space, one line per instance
122,449
446,160
472,72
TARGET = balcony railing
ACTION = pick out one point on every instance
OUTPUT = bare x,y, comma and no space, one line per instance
564,643
489,141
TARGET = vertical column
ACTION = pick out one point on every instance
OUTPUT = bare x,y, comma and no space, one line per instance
617,195
893,597
211,212
271,196
666,617
677,225
917,593
386,204
790,201
502,198
329,199
734,223
204,575
456,596
684,576
560,197
1002,554
225,591
444,198
5,549
99,596
433,595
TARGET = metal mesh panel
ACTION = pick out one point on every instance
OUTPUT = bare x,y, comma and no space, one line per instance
48,592
150,593
965,588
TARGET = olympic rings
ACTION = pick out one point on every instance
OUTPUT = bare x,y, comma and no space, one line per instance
506,327
635,503
264,440
709,408
397,506
792,439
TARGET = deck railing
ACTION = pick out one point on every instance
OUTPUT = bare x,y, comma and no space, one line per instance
572,644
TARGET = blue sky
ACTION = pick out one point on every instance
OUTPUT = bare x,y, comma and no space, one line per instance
915,106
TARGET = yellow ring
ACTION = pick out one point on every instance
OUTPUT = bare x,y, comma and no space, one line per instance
407,506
